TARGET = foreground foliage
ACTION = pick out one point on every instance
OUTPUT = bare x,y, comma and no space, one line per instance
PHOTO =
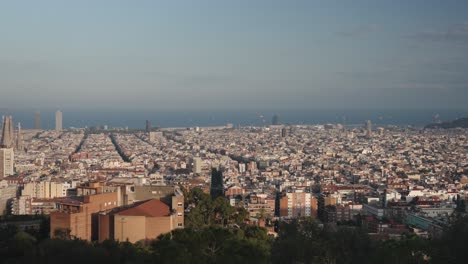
208,211
216,233
298,242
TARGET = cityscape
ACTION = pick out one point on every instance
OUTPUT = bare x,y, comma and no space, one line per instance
331,132
101,183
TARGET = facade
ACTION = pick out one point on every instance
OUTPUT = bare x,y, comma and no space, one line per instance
337,213
260,205
298,204
325,200
21,206
58,121
7,193
45,189
241,168
146,192
25,205
7,162
197,165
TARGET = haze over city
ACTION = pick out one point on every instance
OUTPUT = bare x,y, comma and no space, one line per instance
234,54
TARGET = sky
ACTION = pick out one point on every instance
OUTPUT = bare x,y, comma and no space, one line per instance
242,54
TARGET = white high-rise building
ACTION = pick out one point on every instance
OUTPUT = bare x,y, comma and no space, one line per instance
7,162
58,120
241,167
197,165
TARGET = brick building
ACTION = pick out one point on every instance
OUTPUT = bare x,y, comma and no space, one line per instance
337,213
77,216
297,204
143,220
258,204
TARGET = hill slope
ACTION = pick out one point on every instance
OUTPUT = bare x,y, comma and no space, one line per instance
461,122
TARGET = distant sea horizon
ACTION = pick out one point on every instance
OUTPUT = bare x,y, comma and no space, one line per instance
135,119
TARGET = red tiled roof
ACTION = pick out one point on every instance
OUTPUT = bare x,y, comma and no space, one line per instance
151,208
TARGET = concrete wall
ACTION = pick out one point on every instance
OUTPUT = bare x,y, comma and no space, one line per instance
61,222
284,206
147,192
156,226
131,228
104,225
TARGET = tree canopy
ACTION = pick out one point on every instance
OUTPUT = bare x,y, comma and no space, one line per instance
214,239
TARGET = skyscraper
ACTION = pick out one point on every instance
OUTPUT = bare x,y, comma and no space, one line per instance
148,126
275,120
369,129
6,148
19,138
58,120
37,120
7,162
284,132
7,140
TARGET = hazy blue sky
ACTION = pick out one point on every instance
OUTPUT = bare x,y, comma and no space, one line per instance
234,54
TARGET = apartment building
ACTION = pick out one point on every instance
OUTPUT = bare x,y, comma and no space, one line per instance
45,189
297,204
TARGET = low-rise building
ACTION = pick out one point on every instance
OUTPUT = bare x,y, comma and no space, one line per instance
143,220
77,216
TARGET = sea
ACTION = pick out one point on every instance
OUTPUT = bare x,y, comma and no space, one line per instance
136,119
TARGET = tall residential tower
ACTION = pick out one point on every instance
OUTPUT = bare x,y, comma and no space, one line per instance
148,126
6,148
369,129
7,162
58,120
275,120
37,120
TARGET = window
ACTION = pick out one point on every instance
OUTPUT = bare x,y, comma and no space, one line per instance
179,224
179,214
179,204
